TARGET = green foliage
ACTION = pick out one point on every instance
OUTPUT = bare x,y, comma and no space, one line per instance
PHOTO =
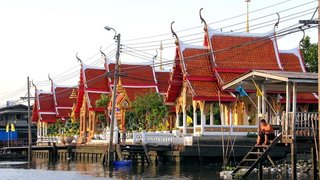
310,54
147,111
70,128
103,102
55,128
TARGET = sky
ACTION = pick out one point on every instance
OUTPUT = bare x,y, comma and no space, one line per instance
41,37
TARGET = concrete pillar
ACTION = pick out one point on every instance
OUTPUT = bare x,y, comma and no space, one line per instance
203,120
177,119
211,115
263,103
222,114
194,119
184,114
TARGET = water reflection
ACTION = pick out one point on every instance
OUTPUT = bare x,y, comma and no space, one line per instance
86,170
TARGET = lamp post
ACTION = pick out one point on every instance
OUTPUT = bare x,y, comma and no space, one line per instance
114,95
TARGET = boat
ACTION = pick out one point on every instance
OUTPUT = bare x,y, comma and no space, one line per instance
122,163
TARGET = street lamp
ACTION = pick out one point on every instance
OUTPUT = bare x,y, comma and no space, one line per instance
114,94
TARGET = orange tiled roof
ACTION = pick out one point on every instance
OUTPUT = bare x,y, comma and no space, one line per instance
134,92
209,90
244,52
291,62
197,62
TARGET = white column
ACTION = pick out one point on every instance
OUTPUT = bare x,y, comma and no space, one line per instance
259,105
211,114
263,105
194,119
40,130
177,119
203,120
46,129
222,115
184,114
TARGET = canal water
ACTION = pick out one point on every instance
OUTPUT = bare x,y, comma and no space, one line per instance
43,170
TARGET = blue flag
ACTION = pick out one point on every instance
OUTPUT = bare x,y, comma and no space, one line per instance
241,91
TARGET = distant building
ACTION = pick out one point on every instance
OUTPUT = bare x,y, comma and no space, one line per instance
17,115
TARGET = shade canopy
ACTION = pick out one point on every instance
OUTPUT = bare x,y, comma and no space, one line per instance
275,81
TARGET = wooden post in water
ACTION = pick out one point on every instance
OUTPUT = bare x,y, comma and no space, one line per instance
260,171
314,163
293,144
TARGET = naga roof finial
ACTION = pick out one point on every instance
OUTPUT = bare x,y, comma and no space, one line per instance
79,60
202,19
277,23
174,34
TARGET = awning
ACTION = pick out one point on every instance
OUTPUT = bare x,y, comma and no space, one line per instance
275,81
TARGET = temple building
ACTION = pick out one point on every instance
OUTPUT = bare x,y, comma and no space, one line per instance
135,80
52,105
199,72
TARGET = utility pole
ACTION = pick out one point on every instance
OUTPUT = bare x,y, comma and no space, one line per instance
318,89
29,127
29,123
307,22
114,96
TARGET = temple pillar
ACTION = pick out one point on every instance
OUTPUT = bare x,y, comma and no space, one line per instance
211,114
203,117
184,125
194,105
222,114
263,104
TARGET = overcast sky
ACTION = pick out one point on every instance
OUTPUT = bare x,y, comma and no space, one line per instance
41,37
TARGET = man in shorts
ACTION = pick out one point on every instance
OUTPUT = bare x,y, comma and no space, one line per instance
266,133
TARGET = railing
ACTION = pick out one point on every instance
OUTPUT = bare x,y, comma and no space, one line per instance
16,143
152,138
305,124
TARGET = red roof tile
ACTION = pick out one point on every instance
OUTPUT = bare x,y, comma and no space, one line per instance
49,118
96,79
244,52
135,75
46,102
197,62
64,113
134,92
163,81
62,95
290,62
93,98
176,79
209,90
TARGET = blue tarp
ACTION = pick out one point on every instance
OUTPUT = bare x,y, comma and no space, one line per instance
4,135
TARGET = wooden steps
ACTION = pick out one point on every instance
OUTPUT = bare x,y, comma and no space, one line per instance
256,155
137,153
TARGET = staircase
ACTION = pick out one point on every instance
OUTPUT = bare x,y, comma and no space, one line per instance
256,155
137,153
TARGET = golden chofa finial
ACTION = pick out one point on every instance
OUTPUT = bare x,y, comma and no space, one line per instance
73,94
119,86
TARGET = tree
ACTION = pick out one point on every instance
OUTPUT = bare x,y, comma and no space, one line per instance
103,102
147,111
310,54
